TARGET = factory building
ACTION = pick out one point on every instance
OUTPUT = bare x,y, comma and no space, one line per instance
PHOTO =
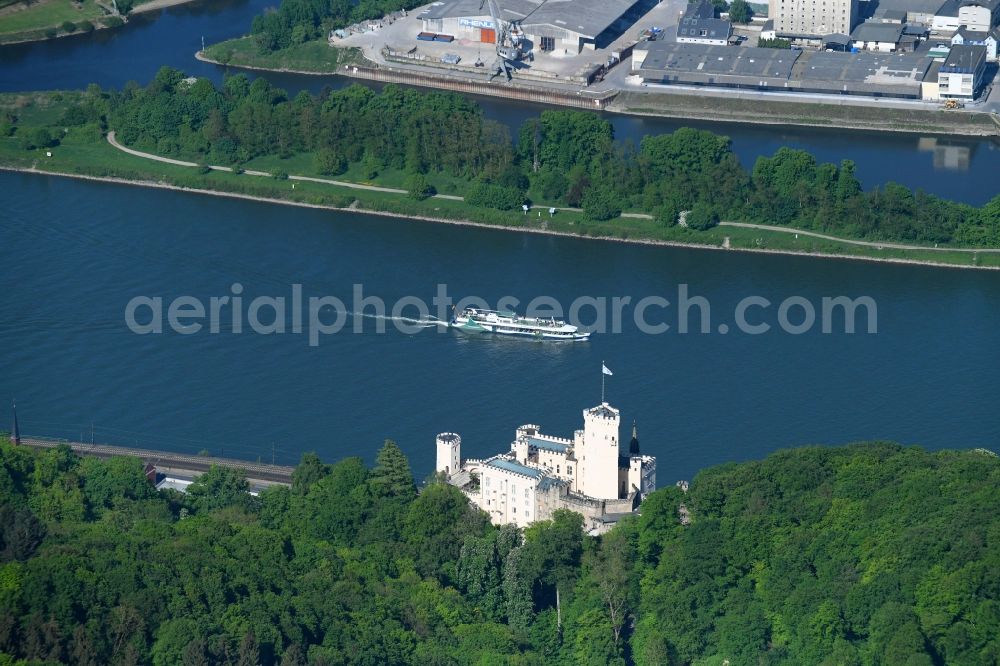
974,38
548,25
909,11
961,75
978,15
699,26
877,36
808,19
780,70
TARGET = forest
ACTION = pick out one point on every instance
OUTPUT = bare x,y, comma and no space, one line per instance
562,157
871,553
300,21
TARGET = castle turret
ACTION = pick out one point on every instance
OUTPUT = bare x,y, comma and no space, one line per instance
449,453
15,432
633,445
520,446
597,452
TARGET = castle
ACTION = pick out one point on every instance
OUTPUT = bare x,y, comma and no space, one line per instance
589,473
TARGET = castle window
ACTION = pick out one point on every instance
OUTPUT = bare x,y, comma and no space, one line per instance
569,470
557,469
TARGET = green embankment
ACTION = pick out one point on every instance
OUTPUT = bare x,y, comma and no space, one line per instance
46,19
316,57
83,150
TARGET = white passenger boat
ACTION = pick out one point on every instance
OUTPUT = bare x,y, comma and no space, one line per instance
474,320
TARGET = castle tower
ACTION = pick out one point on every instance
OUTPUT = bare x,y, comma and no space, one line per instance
449,453
597,452
519,447
15,433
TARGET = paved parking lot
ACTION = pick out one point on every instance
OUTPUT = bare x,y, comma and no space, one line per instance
402,36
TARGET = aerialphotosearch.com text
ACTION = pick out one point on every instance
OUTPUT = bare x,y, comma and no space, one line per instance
319,316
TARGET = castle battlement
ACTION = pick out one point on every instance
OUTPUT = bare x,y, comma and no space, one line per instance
541,473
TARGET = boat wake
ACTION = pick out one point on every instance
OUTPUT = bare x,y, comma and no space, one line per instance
430,322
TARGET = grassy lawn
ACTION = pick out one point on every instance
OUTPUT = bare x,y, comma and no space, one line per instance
316,56
46,14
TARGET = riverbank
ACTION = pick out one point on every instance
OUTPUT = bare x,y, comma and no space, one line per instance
54,19
317,58
65,146
733,109
369,207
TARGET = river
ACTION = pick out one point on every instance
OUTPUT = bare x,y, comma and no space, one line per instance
74,253
960,168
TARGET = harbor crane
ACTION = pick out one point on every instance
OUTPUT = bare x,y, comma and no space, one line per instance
508,41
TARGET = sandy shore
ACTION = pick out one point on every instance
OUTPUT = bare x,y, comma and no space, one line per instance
470,223
157,4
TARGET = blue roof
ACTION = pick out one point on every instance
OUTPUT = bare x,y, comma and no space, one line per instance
549,482
547,445
515,467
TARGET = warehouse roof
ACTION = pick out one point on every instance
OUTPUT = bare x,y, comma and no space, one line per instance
949,8
989,4
864,67
820,71
909,6
588,18
722,60
976,35
837,38
964,58
699,22
888,33
895,15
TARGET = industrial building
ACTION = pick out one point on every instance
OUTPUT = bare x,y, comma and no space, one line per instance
944,15
781,70
968,37
962,73
700,26
808,19
547,25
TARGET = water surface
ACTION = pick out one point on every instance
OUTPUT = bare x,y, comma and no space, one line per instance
75,252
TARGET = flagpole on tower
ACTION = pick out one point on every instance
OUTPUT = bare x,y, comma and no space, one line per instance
604,373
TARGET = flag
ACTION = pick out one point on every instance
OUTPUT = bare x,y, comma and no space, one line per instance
605,370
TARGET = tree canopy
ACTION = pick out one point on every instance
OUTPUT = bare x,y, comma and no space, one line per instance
438,141
866,554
